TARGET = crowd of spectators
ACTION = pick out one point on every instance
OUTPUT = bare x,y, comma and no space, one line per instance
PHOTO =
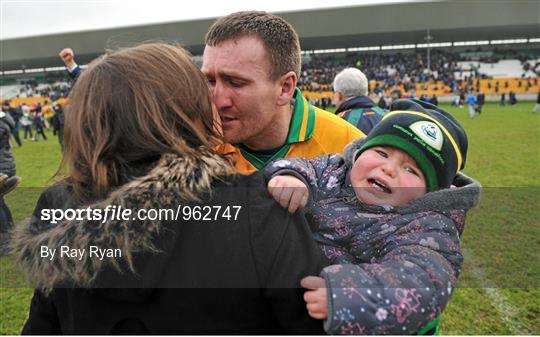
52,90
400,72
389,68
404,69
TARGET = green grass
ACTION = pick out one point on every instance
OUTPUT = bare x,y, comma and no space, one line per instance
36,164
500,242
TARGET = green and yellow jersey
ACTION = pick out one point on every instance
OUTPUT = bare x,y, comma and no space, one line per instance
313,132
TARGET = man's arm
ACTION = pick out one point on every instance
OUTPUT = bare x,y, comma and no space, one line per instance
68,57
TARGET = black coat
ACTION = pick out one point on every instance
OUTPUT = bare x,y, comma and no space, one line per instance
221,276
361,112
7,162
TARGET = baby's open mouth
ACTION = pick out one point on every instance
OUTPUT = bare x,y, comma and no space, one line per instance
379,185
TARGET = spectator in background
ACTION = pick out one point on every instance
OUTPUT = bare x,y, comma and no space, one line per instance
16,115
471,103
481,101
57,122
425,98
462,98
502,102
353,104
37,107
434,100
455,100
395,94
324,103
7,168
26,121
39,124
384,101
536,107
512,98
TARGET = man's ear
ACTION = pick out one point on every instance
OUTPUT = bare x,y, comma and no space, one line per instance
339,97
287,84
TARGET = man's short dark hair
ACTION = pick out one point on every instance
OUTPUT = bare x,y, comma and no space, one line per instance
278,36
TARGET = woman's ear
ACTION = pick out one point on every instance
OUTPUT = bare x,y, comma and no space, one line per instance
287,84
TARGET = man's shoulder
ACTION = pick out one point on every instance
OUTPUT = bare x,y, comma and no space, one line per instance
326,115
330,135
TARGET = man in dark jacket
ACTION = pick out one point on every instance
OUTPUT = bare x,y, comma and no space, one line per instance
350,95
7,184
16,114
7,167
57,122
481,99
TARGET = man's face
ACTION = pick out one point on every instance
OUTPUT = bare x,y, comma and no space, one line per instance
245,97
338,98
384,175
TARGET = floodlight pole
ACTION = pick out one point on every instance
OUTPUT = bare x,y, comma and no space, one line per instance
428,39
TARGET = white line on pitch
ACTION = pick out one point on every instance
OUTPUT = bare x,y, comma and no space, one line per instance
506,311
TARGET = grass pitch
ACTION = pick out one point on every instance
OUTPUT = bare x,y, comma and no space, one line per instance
499,288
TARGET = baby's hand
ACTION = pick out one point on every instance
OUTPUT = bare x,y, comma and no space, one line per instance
315,297
290,192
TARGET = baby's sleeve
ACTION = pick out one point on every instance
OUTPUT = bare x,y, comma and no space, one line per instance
319,174
403,289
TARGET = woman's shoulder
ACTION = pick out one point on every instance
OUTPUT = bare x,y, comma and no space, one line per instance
251,193
256,181
57,196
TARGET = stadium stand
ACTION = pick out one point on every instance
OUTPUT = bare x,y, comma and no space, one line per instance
406,73
396,73
11,91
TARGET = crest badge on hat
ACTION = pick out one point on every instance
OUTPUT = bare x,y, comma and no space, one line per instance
429,132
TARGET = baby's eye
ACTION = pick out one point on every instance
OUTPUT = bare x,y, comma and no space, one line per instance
411,170
382,153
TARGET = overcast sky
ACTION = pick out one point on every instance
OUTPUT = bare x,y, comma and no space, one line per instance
22,18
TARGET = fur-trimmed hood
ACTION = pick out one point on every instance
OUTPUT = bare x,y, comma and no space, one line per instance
175,178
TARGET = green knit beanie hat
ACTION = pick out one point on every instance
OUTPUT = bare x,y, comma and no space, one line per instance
430,135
